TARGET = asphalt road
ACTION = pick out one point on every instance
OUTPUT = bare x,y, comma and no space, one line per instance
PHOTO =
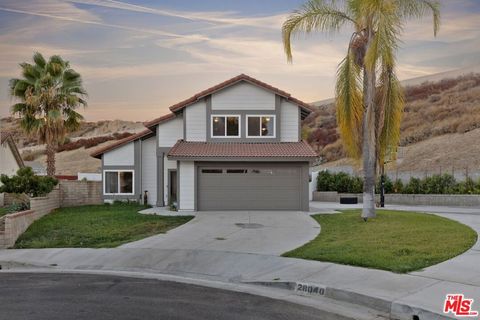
74,296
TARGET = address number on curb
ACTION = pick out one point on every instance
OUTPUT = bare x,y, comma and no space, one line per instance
309,289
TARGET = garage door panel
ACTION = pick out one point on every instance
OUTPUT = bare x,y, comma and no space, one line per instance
255,188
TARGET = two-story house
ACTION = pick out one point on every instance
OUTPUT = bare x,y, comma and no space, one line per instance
234,146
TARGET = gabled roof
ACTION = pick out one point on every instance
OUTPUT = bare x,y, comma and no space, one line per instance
151,124
6,137
241,150
306,108
242,77
119,143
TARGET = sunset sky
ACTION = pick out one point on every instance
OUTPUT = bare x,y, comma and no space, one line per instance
139,57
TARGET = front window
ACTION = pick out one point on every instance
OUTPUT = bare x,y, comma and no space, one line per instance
118,182
226,126
261,126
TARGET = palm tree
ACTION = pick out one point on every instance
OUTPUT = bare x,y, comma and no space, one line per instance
368,96
48,95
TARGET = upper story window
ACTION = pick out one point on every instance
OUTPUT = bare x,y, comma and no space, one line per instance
261,126
226,126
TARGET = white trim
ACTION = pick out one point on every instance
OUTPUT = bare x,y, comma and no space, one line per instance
118,178
261,116
226,115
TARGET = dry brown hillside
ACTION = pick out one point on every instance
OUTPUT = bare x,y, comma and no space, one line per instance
440,126
74,155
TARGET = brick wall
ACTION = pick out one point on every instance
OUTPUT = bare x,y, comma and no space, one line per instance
44,205
9,198
79,193
14,224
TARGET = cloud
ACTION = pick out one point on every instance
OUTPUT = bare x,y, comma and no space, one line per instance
223,17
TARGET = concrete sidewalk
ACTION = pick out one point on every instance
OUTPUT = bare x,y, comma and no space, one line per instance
401,296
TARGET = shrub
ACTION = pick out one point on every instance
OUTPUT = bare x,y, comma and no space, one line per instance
414,186
439,184
17,207
436,184
398,186
26,182
388,184
341,182
324,181
357,186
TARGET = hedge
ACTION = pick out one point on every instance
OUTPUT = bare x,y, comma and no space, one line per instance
436,184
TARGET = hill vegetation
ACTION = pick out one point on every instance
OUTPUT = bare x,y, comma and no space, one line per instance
433,109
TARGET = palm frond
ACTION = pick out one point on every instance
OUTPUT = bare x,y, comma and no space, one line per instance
385,40
315,15
391,101
349,104
39,60
418,9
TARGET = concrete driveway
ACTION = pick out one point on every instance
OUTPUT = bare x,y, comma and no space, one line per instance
261,232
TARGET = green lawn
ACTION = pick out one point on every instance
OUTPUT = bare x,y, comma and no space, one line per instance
3,211
99,226
396,241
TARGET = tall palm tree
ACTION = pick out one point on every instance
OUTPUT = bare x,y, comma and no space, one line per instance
48,94
368,96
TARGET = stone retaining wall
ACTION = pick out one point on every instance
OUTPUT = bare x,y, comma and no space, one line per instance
455,200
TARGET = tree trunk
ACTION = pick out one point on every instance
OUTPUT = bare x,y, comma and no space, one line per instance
50,159
369,145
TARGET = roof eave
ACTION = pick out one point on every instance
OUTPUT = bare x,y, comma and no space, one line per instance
241,159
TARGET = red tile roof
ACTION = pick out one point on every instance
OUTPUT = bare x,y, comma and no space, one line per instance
119,143
242,77
281,150
154,122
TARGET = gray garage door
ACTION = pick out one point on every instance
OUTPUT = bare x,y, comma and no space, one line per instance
250,187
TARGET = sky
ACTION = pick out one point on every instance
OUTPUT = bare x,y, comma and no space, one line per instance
139,57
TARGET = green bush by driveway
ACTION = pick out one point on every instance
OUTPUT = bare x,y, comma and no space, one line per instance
98,226
395,241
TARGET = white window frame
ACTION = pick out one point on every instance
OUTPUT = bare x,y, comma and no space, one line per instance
260,116
118,180
226,116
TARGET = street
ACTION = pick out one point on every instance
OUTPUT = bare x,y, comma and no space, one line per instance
74,296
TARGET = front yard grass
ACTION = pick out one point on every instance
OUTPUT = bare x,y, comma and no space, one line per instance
3,211
396,241
96,226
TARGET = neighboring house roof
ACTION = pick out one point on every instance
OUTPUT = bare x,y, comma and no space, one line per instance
97,153
6,137
281,150
242,77
37,167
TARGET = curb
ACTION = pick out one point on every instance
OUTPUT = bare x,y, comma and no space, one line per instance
397,311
